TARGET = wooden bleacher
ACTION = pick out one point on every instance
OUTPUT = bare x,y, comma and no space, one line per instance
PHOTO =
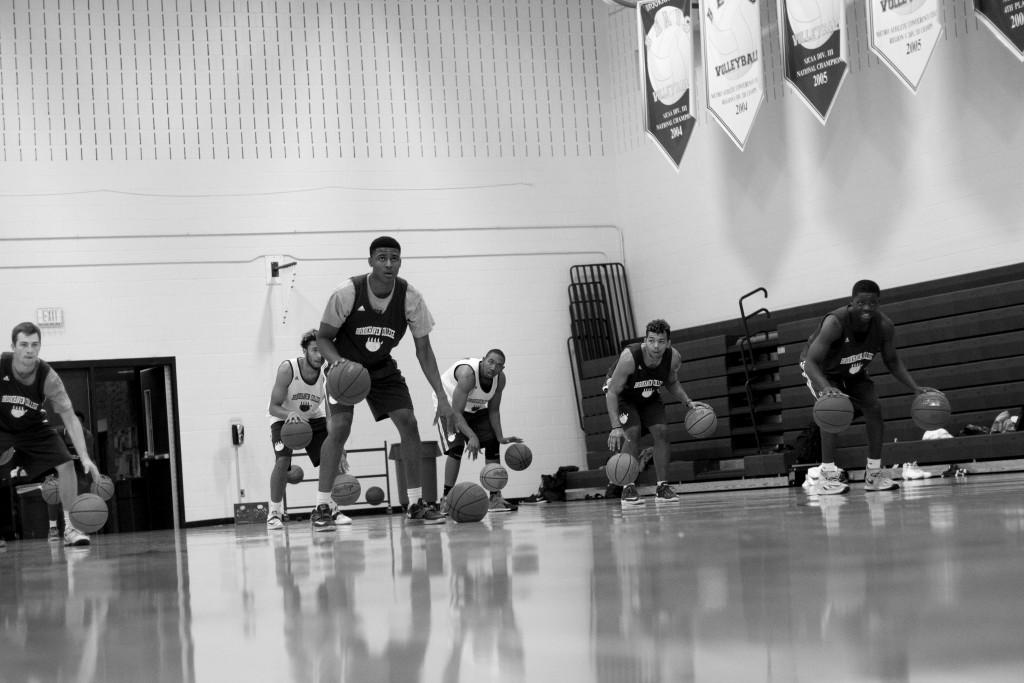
963,335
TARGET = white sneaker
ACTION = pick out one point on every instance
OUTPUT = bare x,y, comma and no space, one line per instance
876,480
912,471
813,473
498,504
829,483
274,521
74,537
341,518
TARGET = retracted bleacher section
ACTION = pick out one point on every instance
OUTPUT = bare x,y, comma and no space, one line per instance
963,335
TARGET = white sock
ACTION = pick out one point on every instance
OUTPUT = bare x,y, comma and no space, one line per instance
277,507
323,498
828,467
874,464
415,494
53,524
67,521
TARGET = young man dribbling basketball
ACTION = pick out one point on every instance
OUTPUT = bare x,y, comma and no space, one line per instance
363,321
835,362
26,383
634,404
474,387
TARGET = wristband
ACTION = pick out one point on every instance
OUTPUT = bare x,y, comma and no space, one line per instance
614,428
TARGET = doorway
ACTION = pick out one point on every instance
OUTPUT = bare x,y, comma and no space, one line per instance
130,408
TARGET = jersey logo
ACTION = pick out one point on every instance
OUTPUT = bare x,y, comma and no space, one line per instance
623,418
647,393
6,378
854,369
372,344
360,308
18,411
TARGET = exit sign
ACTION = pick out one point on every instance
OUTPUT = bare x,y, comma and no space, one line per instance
50,317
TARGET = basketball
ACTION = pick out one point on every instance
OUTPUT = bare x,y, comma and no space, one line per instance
348,383
51,491
104,487
833,413
930,410
493,476
622,469
345,490
701,421
295,474
375,495
88,513
518,457
467,502
296,435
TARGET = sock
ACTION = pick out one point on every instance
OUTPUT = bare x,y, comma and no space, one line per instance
828,467
277,507
415,494
662,482
53,524
874,463
67,521
323,498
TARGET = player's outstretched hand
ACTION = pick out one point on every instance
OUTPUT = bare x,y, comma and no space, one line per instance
294,416
473,447
90,468
617,439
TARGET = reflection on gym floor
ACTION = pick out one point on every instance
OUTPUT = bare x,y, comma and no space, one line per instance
764,585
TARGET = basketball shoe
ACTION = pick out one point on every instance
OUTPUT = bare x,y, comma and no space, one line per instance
340,518
665,494
274,521
321,519
421,512
912,471
53,535
828,483
74,537
876,480
533,499
498,503
630,496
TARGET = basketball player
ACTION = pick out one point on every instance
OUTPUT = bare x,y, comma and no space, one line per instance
26,383
364,319
474,387
297,396
634,404
835,362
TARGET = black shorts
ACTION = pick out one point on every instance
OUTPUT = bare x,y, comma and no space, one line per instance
645,414
319,425
860,388
36,450
388,392
453,444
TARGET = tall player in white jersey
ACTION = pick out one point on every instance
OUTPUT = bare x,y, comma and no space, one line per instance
298,396
474,387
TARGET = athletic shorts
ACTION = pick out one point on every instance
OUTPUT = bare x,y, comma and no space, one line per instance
36,450
453,444
388,392
860,388
645,414
319,425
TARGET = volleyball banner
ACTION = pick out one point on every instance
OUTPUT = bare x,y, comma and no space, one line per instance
733,64
903,34
814,51
1005,18
666,70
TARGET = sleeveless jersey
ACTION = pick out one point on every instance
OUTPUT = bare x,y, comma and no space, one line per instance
302,397
851,353
478,398
21,406
367,336
643,383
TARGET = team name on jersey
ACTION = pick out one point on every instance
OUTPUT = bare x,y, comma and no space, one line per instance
643,384
20,401
857,358
374,331
302,396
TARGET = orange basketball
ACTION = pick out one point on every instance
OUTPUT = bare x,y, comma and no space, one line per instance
51,491
518,457
348,383
833,413
295,474
104,487
296,435
622,469
467,502
930,410
88,513
701,421
493,477
345,490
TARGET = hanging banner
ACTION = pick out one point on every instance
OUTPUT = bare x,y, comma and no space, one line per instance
814,53
1005,18
903,34
733,64
666,71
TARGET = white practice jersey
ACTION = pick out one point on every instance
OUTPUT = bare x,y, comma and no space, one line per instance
307,399
478,398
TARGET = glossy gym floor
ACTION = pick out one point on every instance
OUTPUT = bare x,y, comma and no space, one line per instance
922,584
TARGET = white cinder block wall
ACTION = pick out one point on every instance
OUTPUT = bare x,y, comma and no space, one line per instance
151,160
